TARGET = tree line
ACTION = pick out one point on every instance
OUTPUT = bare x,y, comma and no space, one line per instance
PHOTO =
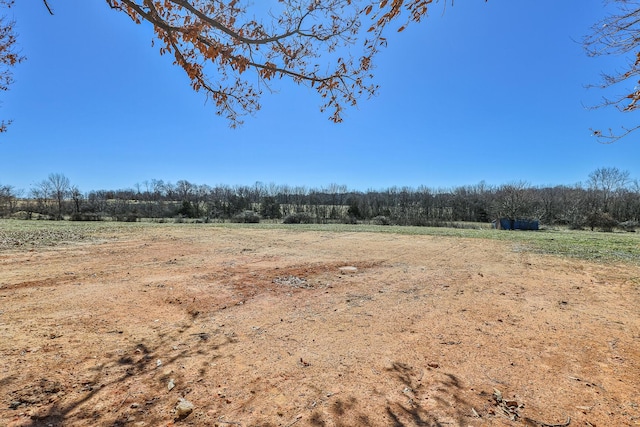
608,199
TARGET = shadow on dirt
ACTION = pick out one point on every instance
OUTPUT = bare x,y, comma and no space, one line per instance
124,388
427,397
342,413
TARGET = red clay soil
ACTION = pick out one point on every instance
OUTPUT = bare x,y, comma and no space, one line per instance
265,328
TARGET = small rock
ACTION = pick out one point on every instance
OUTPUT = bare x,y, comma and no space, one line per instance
171,384
158,363
134,405
433,365
183,408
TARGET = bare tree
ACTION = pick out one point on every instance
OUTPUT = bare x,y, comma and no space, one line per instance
8,199
41,194
77,197
604,182
59,186
184,190
513,200
549,203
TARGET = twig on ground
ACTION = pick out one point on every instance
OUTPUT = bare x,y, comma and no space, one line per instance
587,382
495,380
540,423
298,418
117,408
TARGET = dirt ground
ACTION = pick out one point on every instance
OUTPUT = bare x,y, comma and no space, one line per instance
258,327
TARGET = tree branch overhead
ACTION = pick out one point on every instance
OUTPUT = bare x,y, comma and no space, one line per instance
227,53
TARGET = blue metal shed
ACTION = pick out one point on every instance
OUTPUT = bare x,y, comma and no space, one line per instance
516,224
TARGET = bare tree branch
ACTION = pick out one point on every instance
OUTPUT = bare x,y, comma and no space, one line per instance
47,6
618,34
230,55
9,57
610,137
317,44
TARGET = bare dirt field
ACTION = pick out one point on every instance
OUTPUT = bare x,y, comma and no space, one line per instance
259,327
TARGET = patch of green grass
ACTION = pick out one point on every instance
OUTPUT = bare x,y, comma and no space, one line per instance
595,246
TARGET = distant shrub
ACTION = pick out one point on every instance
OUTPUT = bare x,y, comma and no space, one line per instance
574,222
354,211
381,220
629,226
127,218
602,221
350,220
270,208
246,217
298,218
45,217
85,217
187,209
22,215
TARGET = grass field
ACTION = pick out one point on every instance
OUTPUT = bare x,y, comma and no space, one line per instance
594,246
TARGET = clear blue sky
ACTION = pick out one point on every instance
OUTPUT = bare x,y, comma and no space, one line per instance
486,91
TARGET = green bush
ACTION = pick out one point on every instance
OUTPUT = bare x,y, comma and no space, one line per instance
246,217
350,220
602,221
270,208
127,218
380,220
298,218
85,217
